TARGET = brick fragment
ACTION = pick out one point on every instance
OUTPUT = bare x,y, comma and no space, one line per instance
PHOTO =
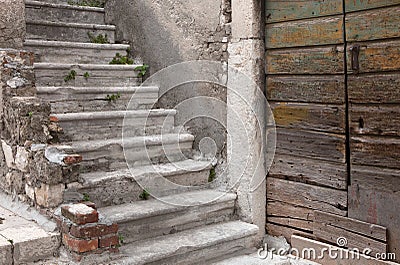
93,230
72,159
108,241
80,245
80,214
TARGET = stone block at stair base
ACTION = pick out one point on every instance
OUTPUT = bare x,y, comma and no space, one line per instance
80,214
5,251
49,195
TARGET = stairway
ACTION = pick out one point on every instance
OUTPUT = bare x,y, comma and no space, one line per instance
154,232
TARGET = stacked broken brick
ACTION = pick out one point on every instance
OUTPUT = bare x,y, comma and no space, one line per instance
84,233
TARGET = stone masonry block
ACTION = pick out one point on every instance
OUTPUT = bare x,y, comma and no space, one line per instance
80,214
49,195
5,252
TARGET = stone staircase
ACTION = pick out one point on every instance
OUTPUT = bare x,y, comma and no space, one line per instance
154,231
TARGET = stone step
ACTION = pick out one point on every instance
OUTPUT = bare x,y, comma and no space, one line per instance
147,219
74,52
112,124
63,31
55,74
81,99
141,150
118,187
36,10
23,241
194,246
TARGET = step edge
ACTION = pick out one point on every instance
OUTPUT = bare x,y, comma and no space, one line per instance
65,6
67,44
70,25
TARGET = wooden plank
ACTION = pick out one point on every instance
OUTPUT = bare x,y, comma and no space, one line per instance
318,145
327,174
315,60
282,209
331,234
303,245
308,196
373,231
326,118
373,24
303,225
317,89
308,32
377,206
374,178
375,119
290,10
287,232
357,5
374,88
377,57
376,151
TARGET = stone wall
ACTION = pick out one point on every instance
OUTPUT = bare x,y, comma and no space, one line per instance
167,32
25,131
12,23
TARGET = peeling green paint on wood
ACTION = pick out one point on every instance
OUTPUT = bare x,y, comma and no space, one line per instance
308,32
373,24
356,5
277,11
314,60
377,56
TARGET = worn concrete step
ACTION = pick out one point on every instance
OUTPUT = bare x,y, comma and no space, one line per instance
146,219
112,124
194,246
56,74
36,10
74,52
271,259
141,150
81,99
64,31
118,187
23,241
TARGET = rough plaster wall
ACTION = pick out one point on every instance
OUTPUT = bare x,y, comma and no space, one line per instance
166,32
12,23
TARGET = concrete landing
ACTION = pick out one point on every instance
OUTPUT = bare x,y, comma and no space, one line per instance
254,259
23,241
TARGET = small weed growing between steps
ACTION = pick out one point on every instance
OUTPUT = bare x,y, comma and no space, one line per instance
91,3
145,195
142,70
29,114
212,175
118,59
121,240
86,197
86,75
71,76
113,97
100,39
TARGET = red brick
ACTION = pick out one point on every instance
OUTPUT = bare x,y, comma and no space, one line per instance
72,159
80,245
53,119
90,204
93,230
108,242
80,214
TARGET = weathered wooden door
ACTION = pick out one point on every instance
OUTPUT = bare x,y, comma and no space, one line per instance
373,59
332,75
